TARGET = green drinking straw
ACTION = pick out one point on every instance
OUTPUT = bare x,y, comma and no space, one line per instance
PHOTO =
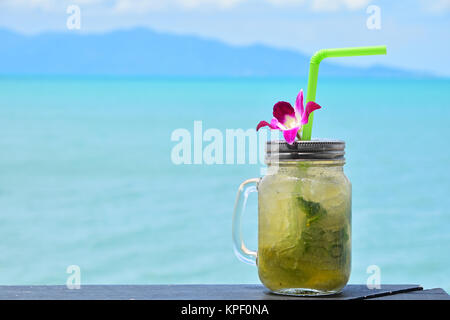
314,73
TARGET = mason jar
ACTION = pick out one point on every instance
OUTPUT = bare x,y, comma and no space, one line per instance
304,219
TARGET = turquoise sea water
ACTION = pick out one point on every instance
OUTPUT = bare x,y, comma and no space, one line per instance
86,177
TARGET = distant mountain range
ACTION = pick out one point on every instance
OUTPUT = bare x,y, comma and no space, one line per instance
145,52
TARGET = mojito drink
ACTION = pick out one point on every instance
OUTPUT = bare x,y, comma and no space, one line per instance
304,236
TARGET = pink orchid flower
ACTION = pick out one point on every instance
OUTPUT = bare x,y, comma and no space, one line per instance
288,119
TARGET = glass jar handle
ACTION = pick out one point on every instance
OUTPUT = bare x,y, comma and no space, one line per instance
241,251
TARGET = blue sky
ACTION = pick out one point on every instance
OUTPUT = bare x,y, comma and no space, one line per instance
417,32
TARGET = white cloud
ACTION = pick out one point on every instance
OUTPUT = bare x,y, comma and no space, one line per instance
356,4
133,6
437,6
40,4
316,5
142,6
47,5
286,2
217,3
138,6
334,5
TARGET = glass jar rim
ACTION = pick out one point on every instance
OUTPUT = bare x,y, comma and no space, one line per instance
278,151
306,163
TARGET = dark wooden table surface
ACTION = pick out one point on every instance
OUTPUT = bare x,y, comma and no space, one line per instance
208,292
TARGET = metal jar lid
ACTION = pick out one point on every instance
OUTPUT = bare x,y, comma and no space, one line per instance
316,149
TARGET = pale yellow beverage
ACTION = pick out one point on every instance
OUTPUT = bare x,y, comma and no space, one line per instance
304,219
304,244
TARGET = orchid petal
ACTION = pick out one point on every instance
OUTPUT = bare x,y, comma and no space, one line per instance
282,110
299,104
289,135
262,124
310,107
274,125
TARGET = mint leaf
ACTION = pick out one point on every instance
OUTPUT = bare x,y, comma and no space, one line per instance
313,210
